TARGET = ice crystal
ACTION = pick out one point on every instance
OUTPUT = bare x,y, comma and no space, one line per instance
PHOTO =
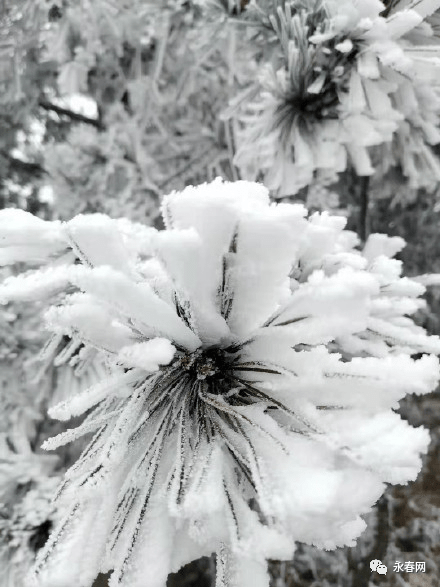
233,417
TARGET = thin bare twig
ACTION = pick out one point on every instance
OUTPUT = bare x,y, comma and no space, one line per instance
364,227
76,116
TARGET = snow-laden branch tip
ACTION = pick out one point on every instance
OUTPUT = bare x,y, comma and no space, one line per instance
254,359
348,84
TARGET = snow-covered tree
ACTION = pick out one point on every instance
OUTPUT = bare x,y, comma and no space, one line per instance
286,91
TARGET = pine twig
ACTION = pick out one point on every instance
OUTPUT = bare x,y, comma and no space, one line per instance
75,116
364,223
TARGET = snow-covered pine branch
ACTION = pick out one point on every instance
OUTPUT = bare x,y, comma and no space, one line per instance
255,357
348,85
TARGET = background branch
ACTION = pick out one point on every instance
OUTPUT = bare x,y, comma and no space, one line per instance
75,116
22,166
364,223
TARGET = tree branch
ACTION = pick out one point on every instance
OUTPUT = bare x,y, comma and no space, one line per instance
364,228
22,166
76,116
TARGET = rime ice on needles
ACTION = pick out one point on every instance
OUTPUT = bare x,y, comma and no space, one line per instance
348,77
225,423
389,328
